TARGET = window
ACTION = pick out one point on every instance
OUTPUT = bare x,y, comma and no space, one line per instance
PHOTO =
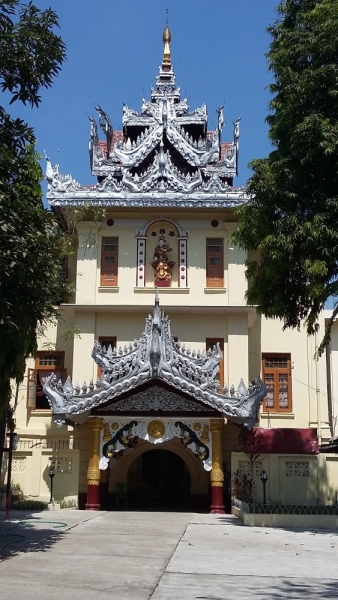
210,343
109,261
276,370
46,363
105,343
215,262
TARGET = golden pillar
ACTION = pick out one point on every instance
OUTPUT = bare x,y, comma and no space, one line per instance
93,472
217,475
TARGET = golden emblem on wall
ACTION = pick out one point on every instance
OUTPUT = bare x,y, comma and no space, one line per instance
197,426
204,437
156,429
106,432
115,426
161,263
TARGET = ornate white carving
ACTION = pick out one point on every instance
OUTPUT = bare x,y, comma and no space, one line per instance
141,262
123,173
19,464
155,356
142,231
195,155
125,434
63,465
245,469
182,263
131,156
157,399
299,468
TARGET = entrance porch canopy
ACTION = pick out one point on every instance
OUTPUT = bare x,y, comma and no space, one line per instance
155,361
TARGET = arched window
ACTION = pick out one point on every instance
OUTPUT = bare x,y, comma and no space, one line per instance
161,255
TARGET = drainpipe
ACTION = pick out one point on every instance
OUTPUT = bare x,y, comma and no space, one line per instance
319,430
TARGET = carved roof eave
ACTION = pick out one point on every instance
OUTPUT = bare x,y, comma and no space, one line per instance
229,199
191,120
138,120
156,357
134,156
197,157
241,409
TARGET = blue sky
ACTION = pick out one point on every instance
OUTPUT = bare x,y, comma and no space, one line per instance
113,53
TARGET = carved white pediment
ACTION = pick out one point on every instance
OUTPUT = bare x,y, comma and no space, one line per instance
155,399
156,357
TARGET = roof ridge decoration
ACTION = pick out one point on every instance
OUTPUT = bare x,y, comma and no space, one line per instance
156,357
165,148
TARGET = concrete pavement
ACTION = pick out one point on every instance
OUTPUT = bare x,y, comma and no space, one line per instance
162,556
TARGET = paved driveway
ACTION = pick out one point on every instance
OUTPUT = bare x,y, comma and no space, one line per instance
162,556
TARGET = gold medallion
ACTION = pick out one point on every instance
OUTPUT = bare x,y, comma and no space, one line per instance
106,432
197,426
156,429
115,426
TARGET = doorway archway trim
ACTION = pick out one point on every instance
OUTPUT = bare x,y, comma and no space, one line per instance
121,433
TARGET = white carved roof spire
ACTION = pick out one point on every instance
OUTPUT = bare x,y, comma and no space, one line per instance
138,163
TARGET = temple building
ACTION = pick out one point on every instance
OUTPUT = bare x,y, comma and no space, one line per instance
158,382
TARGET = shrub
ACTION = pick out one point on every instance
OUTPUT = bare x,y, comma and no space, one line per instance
29,505
243,487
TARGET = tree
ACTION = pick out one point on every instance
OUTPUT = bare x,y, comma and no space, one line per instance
291,221
32,246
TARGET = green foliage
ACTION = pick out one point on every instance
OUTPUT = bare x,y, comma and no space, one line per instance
291,219
243,487
32,245
68,504
29,505
31,53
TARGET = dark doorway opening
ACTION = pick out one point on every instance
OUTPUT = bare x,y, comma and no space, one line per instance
159,480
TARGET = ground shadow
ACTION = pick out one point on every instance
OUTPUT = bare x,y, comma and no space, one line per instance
296,590
29,532
291,589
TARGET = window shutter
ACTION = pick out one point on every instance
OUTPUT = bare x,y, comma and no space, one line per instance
109,261
31,388
277,378
215,263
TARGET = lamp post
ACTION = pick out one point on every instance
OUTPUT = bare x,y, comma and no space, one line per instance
264,478
51,473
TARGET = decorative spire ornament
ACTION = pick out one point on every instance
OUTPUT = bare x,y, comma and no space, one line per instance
166,63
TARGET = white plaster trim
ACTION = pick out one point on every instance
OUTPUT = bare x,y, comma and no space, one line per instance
277,415
182,263
171,290
210,290
108,288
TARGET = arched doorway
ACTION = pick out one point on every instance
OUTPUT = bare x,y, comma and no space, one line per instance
159,479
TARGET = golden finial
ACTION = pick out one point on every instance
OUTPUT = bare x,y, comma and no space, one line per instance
166,35
166,63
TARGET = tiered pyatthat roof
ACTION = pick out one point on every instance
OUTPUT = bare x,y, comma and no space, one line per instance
164,151
155,359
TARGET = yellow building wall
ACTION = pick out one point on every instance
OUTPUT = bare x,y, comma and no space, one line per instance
294,478
196,313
